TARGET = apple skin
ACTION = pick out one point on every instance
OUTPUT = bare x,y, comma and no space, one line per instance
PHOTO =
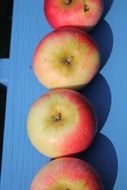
50,63
73,133
77,13
67,174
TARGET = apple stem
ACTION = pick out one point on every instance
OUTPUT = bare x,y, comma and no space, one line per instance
57,117
68,60
86,8
67,2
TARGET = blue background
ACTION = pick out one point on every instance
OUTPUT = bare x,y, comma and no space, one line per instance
107,93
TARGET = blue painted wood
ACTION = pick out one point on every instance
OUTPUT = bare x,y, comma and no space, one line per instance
4,68
107,94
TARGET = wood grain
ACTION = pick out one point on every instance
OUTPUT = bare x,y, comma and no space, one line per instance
20,160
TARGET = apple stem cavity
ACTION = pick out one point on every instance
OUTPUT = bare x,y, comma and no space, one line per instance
67,2
57,117
68,60
86,8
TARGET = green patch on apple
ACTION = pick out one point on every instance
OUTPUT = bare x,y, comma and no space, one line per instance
66,58
61,122
68,185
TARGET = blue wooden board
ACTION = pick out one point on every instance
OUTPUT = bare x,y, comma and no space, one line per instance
4,71
107,93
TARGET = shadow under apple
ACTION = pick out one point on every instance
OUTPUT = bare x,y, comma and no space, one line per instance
107,6
99,95
102,156
103,36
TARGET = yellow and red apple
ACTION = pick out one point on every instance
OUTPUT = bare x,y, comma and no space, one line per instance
66,58
61,122
77,13
67,174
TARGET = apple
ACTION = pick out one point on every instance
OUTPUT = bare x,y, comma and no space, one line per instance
67,174
61,122
76,13
66,58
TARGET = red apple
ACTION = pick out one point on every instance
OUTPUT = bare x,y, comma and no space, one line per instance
61,122
66,58
78,13
67,174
